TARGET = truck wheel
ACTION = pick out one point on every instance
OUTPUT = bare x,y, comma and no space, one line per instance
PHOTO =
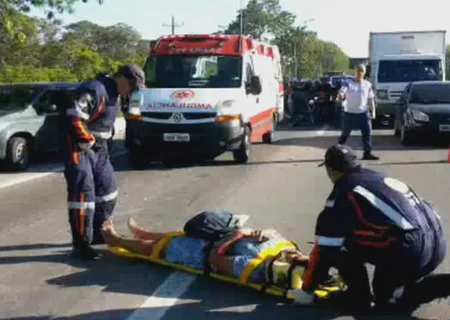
138,160
18,154
242,154
269,137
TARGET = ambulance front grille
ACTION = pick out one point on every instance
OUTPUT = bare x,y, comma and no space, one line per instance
157,115
198,115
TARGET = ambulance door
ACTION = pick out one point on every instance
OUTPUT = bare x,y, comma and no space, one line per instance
252,102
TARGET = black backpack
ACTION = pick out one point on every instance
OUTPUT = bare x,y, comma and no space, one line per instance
211,225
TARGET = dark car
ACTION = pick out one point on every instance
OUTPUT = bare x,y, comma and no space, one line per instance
423,112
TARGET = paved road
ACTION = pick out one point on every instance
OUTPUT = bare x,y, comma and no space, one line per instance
281,187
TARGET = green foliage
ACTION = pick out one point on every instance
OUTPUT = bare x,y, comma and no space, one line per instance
44,50
302,52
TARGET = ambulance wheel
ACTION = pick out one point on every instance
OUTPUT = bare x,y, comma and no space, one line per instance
18,154
242,154
269,137
138,160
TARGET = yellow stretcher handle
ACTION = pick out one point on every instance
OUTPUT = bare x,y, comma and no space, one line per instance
161,244
264,255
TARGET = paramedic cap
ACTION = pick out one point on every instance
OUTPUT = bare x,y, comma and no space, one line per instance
340,157
134,73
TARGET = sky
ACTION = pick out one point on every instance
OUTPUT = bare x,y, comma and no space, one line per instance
345,22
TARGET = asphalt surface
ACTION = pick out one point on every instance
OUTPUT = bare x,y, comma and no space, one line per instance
281,187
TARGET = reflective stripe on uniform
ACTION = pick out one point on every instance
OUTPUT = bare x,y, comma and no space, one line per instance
80,205
102,135
108,197
329,203
76,112
329,242
386,209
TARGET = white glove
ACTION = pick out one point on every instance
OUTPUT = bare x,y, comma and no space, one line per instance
302,297
86,145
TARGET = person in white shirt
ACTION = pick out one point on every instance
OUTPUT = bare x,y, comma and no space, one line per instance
359,110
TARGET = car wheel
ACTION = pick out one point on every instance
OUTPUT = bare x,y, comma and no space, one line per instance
269,137
242,154
18,154
405,136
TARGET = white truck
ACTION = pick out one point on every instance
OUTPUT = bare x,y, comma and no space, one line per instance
398,58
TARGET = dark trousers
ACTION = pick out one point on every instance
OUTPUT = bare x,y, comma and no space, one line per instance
393,269
91,193
357,121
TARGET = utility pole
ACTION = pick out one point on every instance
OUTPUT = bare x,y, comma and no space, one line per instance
173,25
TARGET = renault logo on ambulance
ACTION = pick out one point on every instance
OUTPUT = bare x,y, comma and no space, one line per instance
182,95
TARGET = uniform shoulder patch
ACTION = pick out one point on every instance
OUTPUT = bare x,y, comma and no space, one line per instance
396,185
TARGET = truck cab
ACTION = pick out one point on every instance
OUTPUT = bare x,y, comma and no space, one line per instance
399,58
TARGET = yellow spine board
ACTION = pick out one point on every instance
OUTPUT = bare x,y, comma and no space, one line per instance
322,293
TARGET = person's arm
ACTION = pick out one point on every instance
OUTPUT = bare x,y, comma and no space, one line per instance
371,102
341,95
78,113
334,225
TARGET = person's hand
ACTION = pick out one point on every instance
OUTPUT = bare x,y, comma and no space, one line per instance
371,114
262,235
302,297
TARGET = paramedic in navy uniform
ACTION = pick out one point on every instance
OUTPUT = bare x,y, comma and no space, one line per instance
359,110
90,177
370,217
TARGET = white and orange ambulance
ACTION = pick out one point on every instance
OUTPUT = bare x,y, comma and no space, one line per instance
207,94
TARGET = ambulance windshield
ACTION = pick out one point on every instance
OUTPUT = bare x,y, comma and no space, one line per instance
193,71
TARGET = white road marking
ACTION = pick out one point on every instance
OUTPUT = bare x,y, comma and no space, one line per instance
23,177
164,297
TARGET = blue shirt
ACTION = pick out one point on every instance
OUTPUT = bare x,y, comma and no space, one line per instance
190,252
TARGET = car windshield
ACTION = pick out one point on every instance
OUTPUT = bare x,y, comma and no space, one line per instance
430,93
193,71
13,98
409,70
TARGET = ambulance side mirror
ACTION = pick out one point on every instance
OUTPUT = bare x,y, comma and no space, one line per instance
255,86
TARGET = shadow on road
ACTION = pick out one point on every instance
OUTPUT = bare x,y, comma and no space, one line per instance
184,311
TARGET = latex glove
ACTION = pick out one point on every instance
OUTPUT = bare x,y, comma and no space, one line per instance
86,145
302,297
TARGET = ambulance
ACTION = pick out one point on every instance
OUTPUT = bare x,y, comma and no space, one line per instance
206,95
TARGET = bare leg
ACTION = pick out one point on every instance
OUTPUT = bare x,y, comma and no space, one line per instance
142,234
113,239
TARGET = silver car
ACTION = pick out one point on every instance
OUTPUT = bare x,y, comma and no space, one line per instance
30,121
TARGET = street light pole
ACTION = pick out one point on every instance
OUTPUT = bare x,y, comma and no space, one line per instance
241,21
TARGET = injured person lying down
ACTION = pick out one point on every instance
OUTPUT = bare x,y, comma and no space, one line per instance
212,239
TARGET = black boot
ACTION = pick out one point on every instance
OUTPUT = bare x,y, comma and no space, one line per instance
84,251
370,156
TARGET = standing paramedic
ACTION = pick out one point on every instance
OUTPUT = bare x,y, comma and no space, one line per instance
359,110
370,217
91,181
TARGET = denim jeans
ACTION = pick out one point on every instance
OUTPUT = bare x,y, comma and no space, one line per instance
357,121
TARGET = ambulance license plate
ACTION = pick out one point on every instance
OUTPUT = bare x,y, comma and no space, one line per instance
176,137
444,127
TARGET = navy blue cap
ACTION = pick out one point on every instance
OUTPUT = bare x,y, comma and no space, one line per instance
340,157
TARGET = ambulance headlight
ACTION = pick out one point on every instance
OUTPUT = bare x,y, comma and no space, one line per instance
226,104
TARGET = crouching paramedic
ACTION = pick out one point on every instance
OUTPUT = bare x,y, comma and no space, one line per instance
90,177
373,218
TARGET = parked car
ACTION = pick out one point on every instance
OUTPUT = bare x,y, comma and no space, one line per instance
423,112
30,120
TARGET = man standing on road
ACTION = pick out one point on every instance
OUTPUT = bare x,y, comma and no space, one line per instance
370,217
90,177
359,110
